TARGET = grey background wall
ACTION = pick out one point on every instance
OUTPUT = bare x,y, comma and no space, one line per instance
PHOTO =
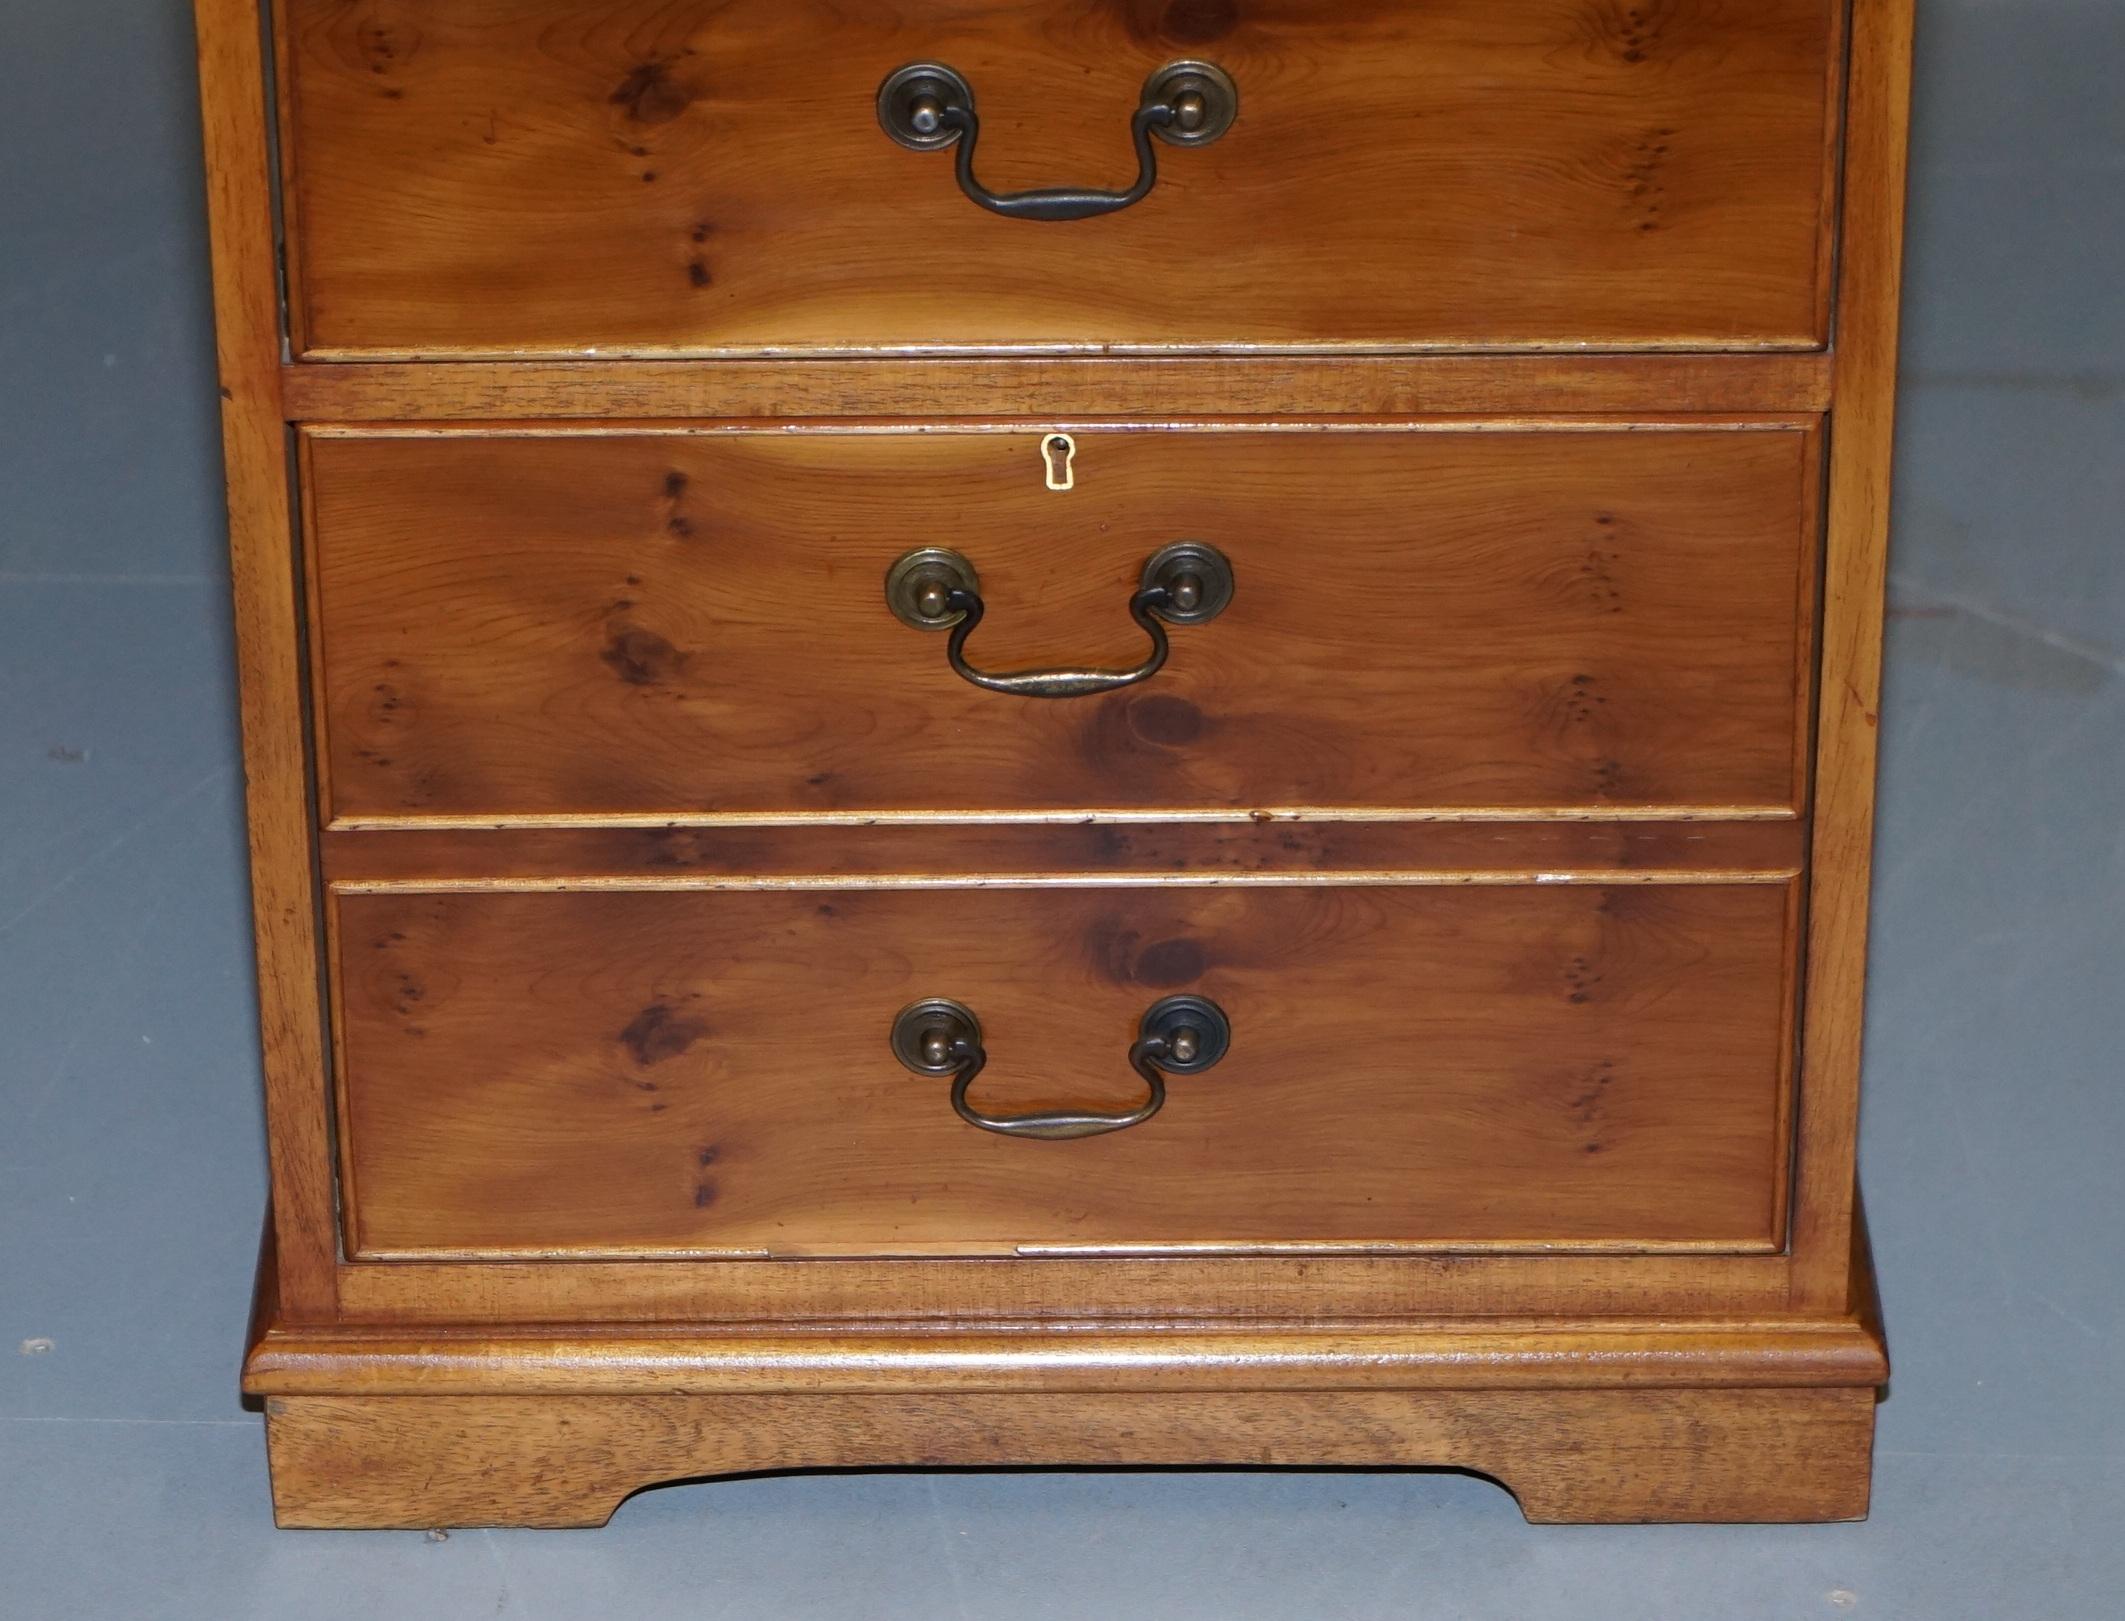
130,1169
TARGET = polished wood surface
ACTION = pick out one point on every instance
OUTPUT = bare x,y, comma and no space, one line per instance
1047,387
617,374
1556,1354
1473,1292
1615,1456
269,633
1162,852
1390,1284
704,1074
1614,1419
505,177
1863,439
1429,617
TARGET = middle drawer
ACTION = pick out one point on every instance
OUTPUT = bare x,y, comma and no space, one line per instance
1423,617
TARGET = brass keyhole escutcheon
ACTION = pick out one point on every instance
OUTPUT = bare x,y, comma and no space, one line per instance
1059,454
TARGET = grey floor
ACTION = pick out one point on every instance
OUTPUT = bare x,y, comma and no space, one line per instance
132,1484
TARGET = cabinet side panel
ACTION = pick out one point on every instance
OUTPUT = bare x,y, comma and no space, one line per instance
1862,430
268,634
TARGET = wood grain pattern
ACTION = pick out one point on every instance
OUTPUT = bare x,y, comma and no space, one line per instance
269,651
686,623
512,177
1046,387
1346,1283
1589,1456
642,816
913,854
1847,740
1554,1354
708,1073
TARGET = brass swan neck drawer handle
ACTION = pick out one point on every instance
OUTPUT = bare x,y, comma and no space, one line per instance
927,106
1186,583
1179,1035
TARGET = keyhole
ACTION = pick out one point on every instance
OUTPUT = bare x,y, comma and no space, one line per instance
1059,450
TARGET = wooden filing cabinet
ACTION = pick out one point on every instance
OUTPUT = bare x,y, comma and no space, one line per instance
908,814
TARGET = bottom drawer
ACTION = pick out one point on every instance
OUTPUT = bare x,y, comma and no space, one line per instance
685,1073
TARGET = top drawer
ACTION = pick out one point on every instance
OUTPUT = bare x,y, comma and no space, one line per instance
498,177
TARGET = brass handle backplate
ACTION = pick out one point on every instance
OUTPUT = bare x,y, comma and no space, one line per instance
1187,583
1178,1035
927,106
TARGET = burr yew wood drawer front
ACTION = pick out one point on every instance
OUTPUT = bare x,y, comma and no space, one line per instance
1060,731
639,176
1425,617
1491,1065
